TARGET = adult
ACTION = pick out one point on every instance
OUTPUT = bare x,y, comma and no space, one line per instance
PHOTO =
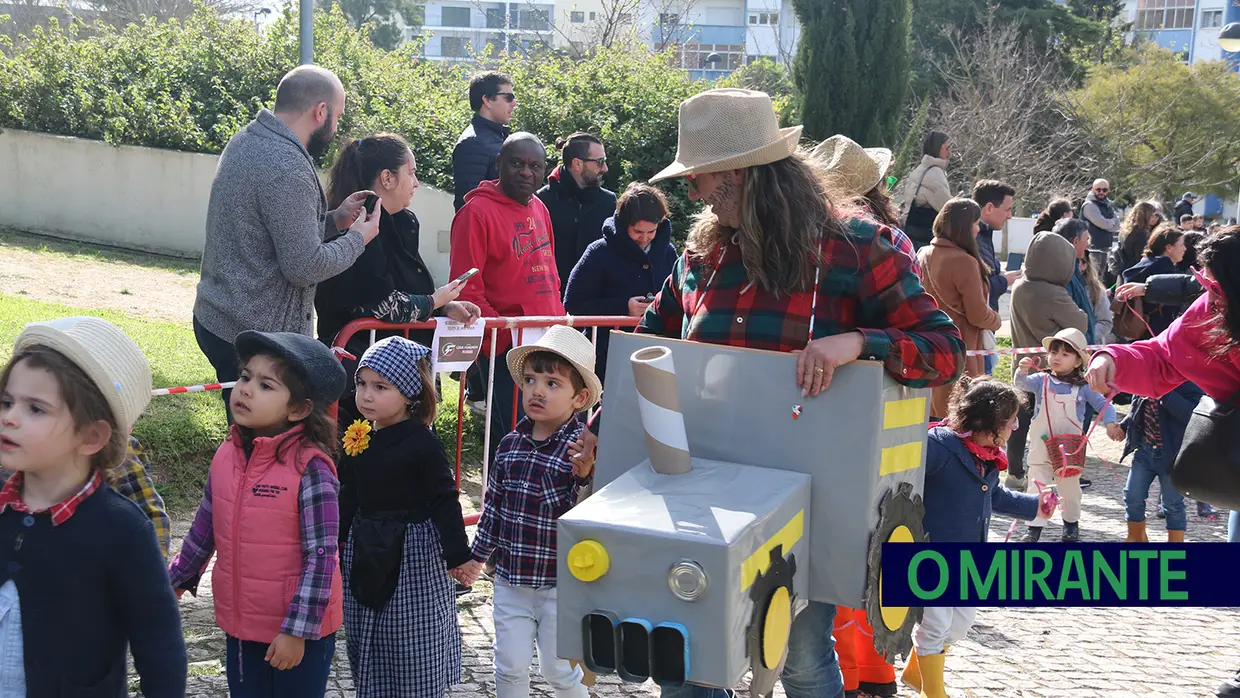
1140,223
493,101
1184,207
504,231
1055,211
575,198
1085,287
857,173
619,274
958,278
926,188
1041,307
267,219
389,282
996,200
1163,252
1201,347
832,289
1099,212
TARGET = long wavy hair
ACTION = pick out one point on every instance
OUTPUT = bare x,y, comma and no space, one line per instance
955,224
1220,253
877,202
1135,231
1053,214
785,211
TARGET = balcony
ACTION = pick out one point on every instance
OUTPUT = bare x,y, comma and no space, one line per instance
698,34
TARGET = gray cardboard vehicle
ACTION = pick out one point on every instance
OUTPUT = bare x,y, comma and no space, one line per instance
724,502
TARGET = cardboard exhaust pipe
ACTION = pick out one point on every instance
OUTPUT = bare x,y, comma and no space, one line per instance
659,400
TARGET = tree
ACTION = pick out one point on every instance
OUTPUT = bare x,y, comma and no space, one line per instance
1164,126
385,18
765,75
852,67
125,12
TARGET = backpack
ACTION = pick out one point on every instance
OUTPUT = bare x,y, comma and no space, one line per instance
1129,319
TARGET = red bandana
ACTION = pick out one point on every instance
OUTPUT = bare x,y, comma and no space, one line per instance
986,453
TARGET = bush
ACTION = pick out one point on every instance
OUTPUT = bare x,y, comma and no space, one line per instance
190,86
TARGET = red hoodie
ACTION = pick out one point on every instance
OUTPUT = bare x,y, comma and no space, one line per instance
512,247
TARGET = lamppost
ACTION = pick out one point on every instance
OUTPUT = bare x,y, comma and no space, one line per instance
263,12
307,31
713,60
1229,41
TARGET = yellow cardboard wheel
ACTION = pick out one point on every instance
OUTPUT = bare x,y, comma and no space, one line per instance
775,627
766,640
899,521
894,616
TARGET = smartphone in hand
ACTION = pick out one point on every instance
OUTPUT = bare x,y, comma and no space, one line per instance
466,276
371,202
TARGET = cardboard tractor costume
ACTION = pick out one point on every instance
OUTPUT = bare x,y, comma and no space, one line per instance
724,502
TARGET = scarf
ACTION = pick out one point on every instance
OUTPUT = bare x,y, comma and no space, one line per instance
984,454
1080,296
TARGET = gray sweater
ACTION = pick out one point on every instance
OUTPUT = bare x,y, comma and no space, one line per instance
266,224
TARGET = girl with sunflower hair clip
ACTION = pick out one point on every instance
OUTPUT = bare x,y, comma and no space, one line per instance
401,530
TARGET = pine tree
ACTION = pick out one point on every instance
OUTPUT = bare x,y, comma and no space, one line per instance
852,67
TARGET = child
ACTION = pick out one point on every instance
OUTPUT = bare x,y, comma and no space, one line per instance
270,510
1155,430
81,575
866,673
402,531
963,459
1060,397
533,483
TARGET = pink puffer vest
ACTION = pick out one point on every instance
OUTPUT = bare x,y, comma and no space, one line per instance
257,522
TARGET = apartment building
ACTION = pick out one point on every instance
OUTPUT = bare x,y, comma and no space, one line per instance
1188,27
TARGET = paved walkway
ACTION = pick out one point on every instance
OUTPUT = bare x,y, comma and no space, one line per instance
1044,653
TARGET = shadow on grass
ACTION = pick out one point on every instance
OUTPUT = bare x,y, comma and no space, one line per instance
10,237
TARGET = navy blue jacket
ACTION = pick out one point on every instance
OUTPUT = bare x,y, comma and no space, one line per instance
958,500
986,246
1159,316
1174,410
473,158
577,217
613,270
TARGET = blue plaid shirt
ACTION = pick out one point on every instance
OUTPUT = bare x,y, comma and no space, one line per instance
529,487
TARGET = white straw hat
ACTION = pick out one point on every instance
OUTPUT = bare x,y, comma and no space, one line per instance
112,360
851,168
729,129
568,343
1073,338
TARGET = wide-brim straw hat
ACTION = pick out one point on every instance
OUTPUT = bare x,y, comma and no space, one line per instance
854,170
729,129
1073,338
568,343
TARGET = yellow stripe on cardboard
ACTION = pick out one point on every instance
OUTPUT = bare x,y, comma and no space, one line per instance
904,413
897,459
760,560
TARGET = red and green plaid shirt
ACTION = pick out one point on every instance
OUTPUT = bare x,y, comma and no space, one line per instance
866,285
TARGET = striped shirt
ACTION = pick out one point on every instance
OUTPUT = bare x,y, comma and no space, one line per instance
530,486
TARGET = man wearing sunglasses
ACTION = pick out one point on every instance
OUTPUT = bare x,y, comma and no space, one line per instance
1099,213
575,196
473,160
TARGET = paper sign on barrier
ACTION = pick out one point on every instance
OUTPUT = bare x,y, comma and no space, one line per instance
455,346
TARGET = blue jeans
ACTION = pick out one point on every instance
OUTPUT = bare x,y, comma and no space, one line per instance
250,676
1149,463
989,362
812,669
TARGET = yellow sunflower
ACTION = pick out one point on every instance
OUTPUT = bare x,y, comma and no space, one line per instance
356,437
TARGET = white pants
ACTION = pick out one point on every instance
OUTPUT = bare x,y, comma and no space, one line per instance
525,617
940,627
1069,492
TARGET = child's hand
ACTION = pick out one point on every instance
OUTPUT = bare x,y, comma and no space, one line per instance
1048,501
1115,431
467,573
1026,364
285,652
581,452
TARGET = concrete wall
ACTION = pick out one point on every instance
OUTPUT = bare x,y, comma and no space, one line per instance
141,198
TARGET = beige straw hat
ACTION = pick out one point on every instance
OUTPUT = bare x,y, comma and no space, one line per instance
568,343
1073,338
851,168
729,129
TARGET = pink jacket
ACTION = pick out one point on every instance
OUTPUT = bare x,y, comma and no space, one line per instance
1154,367
257,525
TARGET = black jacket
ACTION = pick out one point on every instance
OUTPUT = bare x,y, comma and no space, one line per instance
1158,315
473,158
1182,207
986,246
577,217
612,271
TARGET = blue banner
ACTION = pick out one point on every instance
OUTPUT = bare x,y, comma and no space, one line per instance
1060,574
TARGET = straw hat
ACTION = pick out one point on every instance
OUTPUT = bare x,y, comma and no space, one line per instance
112,361
729,129
853,169
568,343
1073,338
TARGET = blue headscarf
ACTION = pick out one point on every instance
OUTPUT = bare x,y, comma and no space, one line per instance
1080,295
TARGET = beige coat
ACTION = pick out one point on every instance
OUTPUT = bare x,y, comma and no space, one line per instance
934,191
951,276
1041,304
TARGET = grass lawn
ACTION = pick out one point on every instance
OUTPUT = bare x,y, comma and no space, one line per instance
180,432
69,249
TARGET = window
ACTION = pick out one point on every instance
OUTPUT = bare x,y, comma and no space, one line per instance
626,18
454,17
693,56
577,17
452,47
593,15
1211,19
753,19
495,19
669,19
764,18
1153,15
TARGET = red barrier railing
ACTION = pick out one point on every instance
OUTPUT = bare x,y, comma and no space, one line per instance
493,325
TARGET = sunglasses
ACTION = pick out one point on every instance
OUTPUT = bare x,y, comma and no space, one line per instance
1103,191
508,96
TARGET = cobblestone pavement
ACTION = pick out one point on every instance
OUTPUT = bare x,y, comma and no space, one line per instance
1042,653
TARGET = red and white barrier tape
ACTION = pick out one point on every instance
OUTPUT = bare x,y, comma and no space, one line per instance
1020,351
192,388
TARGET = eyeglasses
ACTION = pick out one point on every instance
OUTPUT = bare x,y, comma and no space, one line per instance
508,96
601,162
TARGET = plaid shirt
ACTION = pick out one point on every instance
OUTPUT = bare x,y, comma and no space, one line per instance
318,500
11,498
866,284
529,487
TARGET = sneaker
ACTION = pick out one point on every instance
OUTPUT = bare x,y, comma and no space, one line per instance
1205,510
1229,688
1016,484
1162,513
1032,535
1071,532
462,590
868,689
1085,484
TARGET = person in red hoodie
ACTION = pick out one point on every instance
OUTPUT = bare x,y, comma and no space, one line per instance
504,231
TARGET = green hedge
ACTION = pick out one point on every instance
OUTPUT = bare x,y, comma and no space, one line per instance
190,86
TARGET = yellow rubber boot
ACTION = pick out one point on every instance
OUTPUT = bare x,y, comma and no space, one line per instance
912,673
1136,532
932,685
1175,536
